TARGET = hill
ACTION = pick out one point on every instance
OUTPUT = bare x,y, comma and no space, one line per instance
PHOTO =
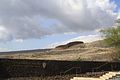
94,51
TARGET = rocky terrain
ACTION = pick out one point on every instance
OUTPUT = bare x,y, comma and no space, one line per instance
78,50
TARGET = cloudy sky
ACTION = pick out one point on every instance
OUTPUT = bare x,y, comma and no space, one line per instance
34,24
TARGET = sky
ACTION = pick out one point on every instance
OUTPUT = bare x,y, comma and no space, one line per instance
39,24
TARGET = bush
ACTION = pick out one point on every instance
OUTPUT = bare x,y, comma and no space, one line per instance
112,35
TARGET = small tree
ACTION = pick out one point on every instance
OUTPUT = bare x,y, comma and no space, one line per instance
112,35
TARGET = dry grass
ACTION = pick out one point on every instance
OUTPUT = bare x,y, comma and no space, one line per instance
95,51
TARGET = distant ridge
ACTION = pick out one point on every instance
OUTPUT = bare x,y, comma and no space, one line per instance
70,44
25,51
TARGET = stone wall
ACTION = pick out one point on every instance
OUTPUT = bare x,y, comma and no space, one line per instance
26,68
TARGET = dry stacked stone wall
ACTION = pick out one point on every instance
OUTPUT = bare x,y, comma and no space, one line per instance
37,68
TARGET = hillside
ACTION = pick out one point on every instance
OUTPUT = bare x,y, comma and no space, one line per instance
95,51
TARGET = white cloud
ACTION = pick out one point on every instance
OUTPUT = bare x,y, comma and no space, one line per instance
118,17
18,17
4,34
86,39
19,40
